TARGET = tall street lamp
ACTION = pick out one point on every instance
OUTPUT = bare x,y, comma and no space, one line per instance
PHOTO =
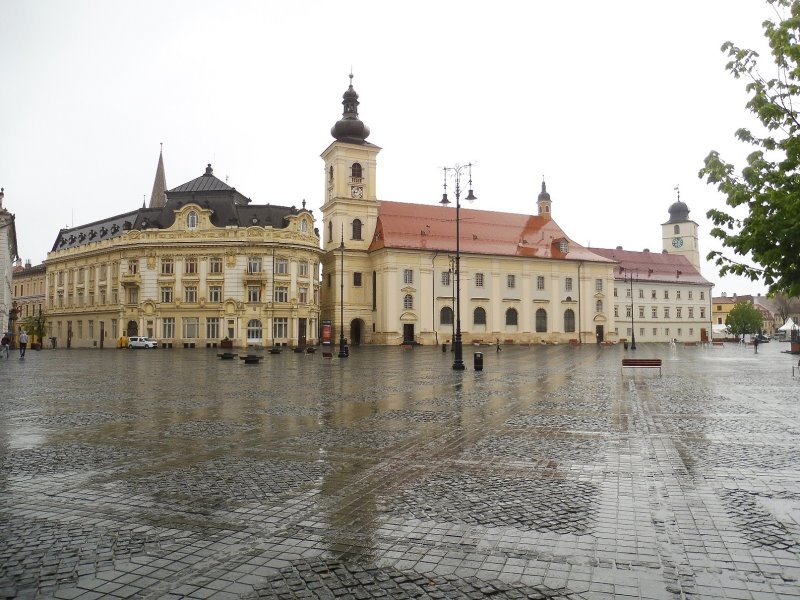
633,307
342,351
458,361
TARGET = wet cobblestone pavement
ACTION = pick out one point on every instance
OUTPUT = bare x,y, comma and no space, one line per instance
549,474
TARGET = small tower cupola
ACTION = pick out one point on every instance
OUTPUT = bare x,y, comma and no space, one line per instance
350,128
543,202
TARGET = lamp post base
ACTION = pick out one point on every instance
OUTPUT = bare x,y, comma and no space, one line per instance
458,360
342,348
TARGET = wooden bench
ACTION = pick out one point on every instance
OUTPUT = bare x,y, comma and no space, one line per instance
720,344
642,363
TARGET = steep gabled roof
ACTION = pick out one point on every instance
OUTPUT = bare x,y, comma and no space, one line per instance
652,266
425,227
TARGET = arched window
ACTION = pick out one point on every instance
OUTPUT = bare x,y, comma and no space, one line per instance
541,321
253,330
446,316
511,316
677,229
479,316
356,229
355,170
598,306
408,301
569,321
330,231
191,220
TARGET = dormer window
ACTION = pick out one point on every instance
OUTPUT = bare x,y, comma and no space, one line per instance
191,220
563,246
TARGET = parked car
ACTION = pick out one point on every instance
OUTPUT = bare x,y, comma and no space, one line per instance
761,338
136,341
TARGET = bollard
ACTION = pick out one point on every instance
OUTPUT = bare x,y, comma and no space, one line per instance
478,361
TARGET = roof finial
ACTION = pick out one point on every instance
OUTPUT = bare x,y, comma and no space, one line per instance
678,189
351,75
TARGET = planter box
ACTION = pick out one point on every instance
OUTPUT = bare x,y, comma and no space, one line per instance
226,344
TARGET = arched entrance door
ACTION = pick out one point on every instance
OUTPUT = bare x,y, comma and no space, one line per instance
356,329
133,328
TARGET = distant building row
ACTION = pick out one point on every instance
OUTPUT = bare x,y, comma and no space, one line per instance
202,263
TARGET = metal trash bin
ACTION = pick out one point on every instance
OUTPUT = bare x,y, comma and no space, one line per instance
444,347
625,345
477,361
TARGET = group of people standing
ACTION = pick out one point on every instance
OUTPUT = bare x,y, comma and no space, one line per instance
5,343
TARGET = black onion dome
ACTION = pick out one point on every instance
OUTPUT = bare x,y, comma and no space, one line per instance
544,195
678,212
350,128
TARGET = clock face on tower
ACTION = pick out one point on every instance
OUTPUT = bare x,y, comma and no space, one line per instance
677,242
357,191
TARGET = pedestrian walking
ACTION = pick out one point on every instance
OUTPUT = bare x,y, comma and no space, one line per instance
5,344
498,345
755,344
23,343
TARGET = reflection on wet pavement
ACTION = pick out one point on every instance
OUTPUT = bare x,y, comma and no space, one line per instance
549,474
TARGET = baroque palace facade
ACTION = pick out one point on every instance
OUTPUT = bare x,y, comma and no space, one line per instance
388,269
200,264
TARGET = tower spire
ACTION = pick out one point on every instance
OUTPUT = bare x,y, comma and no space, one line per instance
350,128
159,196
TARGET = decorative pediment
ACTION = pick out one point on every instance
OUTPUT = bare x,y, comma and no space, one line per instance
408,317
408,289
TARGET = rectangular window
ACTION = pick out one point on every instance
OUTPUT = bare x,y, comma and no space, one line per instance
445,277
680,332
302,269
691,331
191,327
628,312
641,293
102,272
281,293
212,328
167,266
690,294
166,294
102,296
615,293
655,331
91,330
702,313
654,312
133,268
478,279
356,279
598,285
628,293
282,266
653,294
215,293
666,331
568,284
702,295
666,294
133,296
190,293
408,276
254,264
80,330
666,312
81,275
616,310
678,312
91,298
641,331
302,294
677,294
190,266
641,312
511,281
215,264
539,282
280,327
254,293
691,312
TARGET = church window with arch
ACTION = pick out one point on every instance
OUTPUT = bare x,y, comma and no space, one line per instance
191,220
355,171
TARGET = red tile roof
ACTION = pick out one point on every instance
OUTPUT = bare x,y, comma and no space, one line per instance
423,227
652,266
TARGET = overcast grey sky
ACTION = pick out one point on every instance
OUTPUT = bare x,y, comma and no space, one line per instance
614,103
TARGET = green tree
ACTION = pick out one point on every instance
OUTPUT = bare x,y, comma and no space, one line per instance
768,187
35,325
744,318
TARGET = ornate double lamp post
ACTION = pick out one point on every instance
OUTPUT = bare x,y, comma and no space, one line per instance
456,172
342,350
